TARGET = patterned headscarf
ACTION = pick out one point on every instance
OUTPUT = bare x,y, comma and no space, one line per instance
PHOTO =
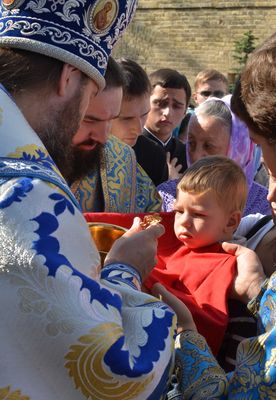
241,147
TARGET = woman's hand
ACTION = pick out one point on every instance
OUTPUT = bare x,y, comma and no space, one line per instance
250,274
184,317
137,248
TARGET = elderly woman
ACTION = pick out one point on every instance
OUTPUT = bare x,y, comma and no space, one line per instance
215,130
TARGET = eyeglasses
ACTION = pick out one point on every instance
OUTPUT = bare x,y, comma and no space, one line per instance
215,93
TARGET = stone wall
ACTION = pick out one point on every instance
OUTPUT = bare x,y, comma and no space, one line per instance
192,35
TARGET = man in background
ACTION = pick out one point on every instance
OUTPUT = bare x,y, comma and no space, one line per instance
170,96
128,126
106,175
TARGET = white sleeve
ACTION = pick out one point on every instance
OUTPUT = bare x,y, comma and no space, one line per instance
247,223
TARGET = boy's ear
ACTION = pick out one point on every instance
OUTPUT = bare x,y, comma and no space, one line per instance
233,221
194,96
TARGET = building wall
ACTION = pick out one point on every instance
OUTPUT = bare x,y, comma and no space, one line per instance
192,35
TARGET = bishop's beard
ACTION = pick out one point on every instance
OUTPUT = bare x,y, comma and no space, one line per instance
56,131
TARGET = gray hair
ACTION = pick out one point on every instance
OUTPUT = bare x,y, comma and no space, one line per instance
217,109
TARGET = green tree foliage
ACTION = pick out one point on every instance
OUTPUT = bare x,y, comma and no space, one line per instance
243,48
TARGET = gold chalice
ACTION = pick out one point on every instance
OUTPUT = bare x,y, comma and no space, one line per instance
104,236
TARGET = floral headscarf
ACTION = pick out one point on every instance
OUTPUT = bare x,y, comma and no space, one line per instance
241,147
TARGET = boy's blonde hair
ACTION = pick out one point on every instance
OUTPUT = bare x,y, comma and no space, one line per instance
209,75
221,175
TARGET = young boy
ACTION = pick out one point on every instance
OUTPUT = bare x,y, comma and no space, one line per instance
208,208
209,83
128,125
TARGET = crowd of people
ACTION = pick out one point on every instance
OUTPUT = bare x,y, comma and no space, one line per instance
82,133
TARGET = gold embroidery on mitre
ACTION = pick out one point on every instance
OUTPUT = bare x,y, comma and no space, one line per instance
85,363
7,394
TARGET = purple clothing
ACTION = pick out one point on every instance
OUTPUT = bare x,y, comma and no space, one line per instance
256,199
167,191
